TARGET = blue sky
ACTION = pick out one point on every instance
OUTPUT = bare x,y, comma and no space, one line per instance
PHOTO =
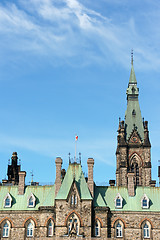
64,70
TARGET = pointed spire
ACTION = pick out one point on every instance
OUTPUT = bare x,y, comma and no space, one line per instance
132,79
133,112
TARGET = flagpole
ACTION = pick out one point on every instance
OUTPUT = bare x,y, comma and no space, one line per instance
76,138
75,148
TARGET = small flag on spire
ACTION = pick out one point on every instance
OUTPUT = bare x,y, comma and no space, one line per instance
76,138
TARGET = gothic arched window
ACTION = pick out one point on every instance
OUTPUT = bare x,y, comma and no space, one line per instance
146,232
73,225
146,229
119,230
6,229
50,229
30,229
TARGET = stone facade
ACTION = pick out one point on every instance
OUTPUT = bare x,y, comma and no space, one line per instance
74,207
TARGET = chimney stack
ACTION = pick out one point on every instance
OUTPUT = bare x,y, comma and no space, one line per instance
58,162
21,184
90,182
131,188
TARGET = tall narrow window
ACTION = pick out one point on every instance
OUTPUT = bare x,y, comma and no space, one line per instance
50,228
73,200
146,232
6,230
97,229
119,230
30,230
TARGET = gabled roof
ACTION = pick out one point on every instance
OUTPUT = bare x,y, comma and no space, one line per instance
108,194
74,173
44,197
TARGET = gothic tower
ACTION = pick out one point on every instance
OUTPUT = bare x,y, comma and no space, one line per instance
133,145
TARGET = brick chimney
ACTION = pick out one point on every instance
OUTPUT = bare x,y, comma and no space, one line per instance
58,162
90,163
21,184
131,187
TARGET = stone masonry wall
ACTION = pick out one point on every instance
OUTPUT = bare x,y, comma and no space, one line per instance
18,219
132,224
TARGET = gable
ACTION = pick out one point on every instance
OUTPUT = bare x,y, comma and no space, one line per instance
74,174
134,138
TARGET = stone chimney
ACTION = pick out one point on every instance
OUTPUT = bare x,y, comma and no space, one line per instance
21,184
90,182
58,162
131,187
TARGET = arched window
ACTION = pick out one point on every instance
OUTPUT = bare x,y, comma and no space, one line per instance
30,229
146,232
6,230
73,225
119,230
146,229
97,228
136,168
50,229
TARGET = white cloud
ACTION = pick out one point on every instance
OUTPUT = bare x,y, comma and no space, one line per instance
67,29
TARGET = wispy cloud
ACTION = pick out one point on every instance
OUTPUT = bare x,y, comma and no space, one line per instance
101,149
67,29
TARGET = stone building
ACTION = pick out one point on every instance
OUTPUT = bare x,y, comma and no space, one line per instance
74,207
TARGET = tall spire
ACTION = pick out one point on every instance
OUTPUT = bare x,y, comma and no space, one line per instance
133,116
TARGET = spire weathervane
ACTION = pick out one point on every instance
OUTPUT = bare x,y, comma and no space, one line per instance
132,56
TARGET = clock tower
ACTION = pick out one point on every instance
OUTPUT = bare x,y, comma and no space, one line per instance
133,144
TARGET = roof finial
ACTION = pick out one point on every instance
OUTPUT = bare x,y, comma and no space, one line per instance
132,56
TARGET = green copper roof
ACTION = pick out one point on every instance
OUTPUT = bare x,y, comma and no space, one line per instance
74,173
44,197
129,203
133,113
132,78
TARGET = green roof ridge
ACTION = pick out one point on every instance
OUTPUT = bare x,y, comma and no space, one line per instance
74,173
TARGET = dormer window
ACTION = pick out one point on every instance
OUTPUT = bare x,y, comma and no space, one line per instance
145,201
7,201
118,201
31,201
